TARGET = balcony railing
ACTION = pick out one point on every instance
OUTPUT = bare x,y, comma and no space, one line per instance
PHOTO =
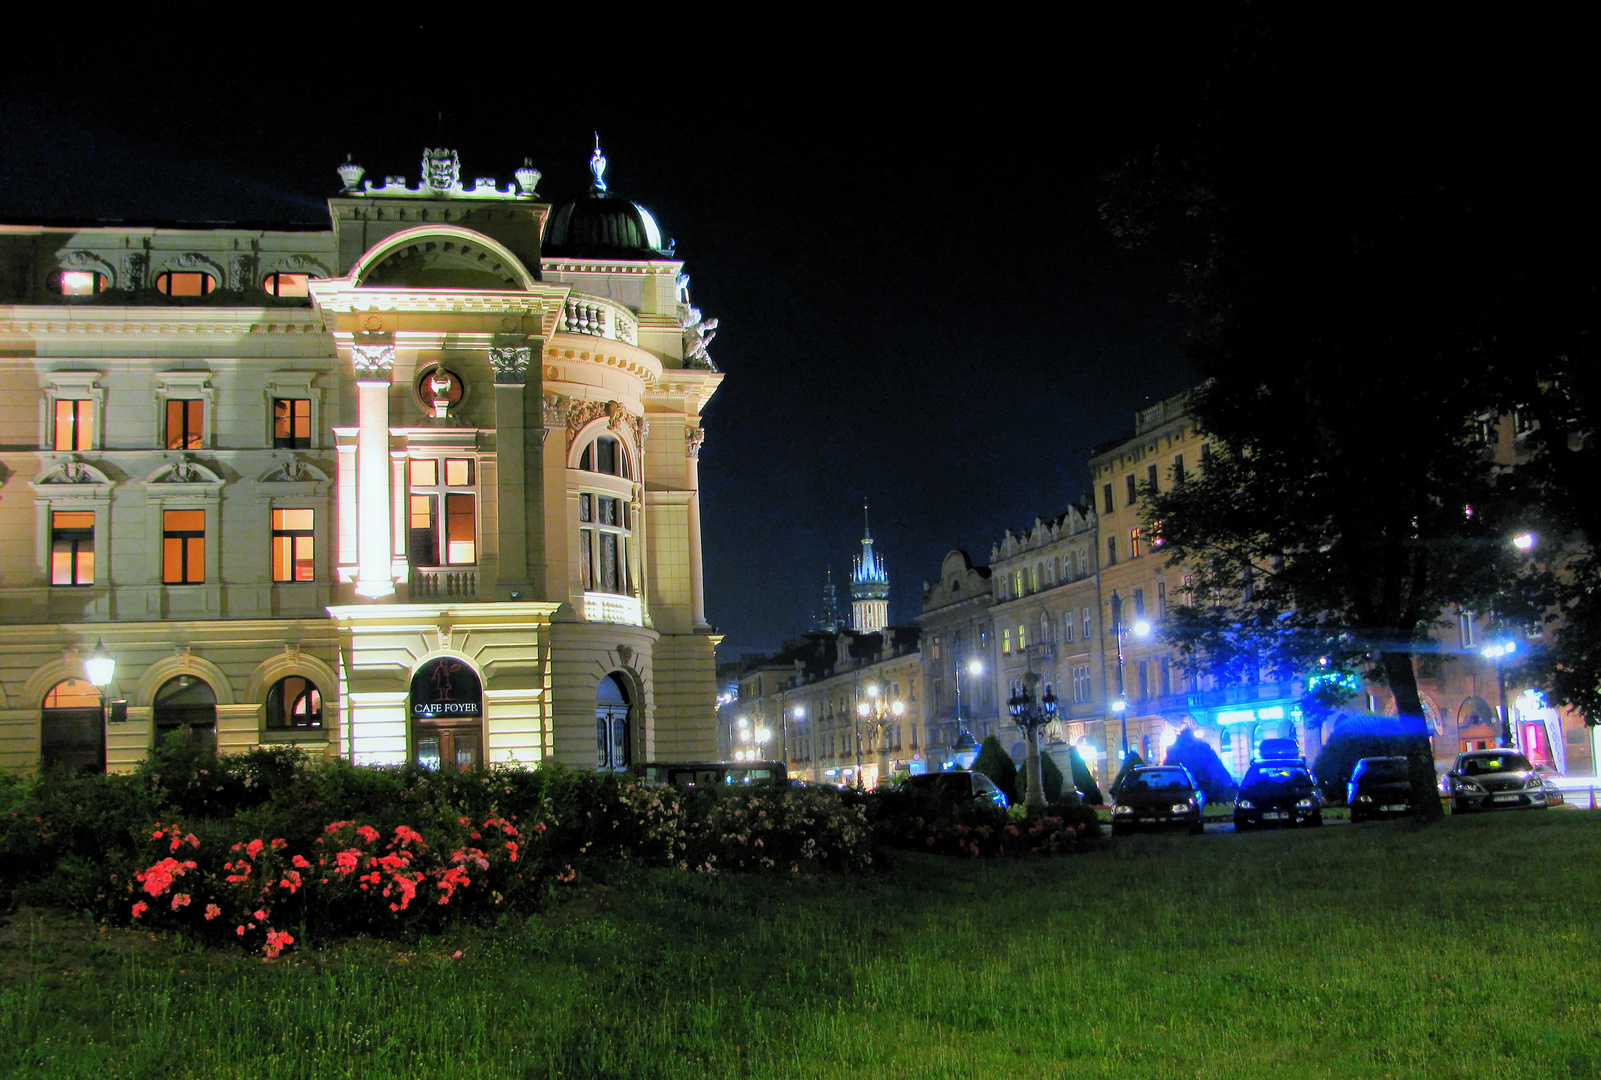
599,318
425,583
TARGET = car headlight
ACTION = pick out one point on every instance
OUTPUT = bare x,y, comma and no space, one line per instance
1245,804
1121,809
1469,786
1305,804
1183,807
1363,799
1536,784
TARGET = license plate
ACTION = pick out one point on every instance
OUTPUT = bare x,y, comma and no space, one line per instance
1393,807
1152,820
1506,798
1274,815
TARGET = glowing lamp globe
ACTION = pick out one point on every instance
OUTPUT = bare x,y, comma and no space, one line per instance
99,666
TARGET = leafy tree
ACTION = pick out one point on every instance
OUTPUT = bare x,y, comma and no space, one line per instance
1347,746
1084,780
1197,756
1130,763
1361,294
997,764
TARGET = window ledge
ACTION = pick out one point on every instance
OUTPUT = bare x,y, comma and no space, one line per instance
295,735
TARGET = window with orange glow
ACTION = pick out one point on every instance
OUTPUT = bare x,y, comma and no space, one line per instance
184,417
291,423
185,283
450,538
71,428
287,284
292,545
72,547
183,547
72,694
77,282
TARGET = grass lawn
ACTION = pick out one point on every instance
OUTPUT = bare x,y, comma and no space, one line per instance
1467,949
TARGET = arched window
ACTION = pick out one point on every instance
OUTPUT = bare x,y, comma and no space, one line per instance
187,703
447,715
185,283
605,455
294,703
72,733
611,725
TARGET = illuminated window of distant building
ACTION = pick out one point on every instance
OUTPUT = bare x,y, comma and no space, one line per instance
185,417
291,423
293,703
72,428
183,547
1017,583
286,284
441,512
1022,638
77,282
1006,640
1132,486
292,545
1134,543
185,283
1464,629
936,646
72,547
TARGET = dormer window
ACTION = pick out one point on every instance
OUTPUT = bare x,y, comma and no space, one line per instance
286,284
185,283
77,282
605,455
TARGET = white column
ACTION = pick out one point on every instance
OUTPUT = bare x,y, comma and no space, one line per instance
697,581
374,366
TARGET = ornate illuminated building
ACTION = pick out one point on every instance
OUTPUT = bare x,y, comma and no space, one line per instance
418,486
869,586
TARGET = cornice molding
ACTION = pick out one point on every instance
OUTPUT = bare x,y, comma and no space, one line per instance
85,321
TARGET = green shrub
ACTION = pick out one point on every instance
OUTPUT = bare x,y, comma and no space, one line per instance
996,764
1130,763
1084,780
1051,780
1203,763
787,830
1339,756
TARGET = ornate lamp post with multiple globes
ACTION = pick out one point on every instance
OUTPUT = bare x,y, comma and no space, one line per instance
1031,715
877,711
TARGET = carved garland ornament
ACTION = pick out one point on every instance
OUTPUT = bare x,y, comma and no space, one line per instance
555,410
374,363
582,412
693,437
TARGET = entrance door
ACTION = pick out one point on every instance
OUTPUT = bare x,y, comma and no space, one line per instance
611,725
452,749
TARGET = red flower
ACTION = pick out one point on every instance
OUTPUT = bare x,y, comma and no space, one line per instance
299,863
180,900
260,914
239,930
212,911
277,941
253,848
291,880
140,908
367,833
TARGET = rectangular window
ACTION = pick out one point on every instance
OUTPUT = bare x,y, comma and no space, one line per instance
1089,625
71,427
292,545
461,547
1145,679
183,423
1106,498
1178,470
1150,477
1017,583
422,519
1134,543
1167,675
1139,603
1067,627
183,547
936,646
1188,591
442,521
1022,639
72,547
1464,628
1206,458
291,423
1081,684
1111,551
1161,600
1133,493
1006,640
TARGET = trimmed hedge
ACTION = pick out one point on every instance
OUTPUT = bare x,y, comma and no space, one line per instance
997,764
1197,756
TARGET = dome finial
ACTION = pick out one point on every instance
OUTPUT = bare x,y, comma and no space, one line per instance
597,166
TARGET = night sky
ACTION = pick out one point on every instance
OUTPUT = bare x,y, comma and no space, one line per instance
920,306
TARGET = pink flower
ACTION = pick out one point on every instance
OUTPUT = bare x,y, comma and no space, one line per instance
181,900
260,914
212,911
279,844
345,862
140,908
277,941
192,840
456,955
253,848
405,834
299,863
367,833
291,880
239,930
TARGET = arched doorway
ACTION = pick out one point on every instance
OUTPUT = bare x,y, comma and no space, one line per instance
1477,725
447,715
612,728
72,732
187,703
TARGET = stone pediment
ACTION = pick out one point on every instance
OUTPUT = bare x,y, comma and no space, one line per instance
294,471
181,473
72,473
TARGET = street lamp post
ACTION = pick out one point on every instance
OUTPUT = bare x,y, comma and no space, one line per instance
876,711
1499,651
974,668
1141,629
1031,715
101,667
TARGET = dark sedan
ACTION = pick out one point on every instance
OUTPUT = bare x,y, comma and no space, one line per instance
1277,793
1157,797
1379,787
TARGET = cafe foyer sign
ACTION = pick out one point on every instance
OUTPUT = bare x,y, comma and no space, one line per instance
446,689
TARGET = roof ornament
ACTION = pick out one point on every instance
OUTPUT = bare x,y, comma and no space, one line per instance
527,176
597,166
350,173
441,170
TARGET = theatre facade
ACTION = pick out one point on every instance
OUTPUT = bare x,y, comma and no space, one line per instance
418,486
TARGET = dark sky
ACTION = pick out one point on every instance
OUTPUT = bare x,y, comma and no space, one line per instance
899,232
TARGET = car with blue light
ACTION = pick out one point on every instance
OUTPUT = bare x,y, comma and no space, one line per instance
1495,780
1277,792
1158,797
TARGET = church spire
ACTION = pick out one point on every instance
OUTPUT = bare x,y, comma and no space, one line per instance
869,586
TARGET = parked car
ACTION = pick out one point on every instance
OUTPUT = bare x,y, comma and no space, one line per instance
957,785
1380,787
702,774
1158,797
1494,780
1279,750
1553,793
1280,792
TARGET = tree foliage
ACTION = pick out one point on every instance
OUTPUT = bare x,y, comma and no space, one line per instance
1197,756
1051,779
997,764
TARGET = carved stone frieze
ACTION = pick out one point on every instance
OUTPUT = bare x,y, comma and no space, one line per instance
555,409
374,363
511,365
617,417
693,437
134,267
